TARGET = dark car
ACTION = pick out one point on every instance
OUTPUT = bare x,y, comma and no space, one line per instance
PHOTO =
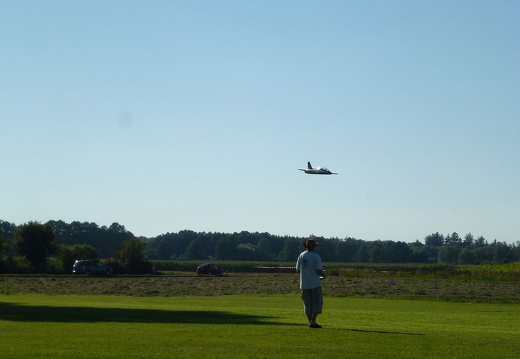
89,267
209,268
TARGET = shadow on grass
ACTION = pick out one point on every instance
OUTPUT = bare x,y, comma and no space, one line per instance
380,332
22,313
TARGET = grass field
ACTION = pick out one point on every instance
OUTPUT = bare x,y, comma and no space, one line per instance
252,326
255,316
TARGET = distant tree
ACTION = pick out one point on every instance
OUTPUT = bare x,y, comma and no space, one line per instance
483,254
35,241
181,241
113,238
226,248
246,237
469,240
106,240
466,256
346,249
3,248
447,239
69,254
195,250
132,256
453,239
344,252
434,239
516,251
480,242
247,252
425,254
449,253
362,254
502,253
163,250
398,252
7,230
327,248
376,252
263,248
291,249
84,251
276,244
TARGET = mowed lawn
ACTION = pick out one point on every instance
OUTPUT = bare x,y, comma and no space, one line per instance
253,326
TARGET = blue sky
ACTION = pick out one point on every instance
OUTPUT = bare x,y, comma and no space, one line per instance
172,115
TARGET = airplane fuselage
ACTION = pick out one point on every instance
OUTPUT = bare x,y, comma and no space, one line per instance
316,171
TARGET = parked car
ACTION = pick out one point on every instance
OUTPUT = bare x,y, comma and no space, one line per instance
89,267
209,268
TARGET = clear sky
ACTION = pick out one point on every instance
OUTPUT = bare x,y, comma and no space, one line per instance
172,115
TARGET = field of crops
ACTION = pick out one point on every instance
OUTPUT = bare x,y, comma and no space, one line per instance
493,272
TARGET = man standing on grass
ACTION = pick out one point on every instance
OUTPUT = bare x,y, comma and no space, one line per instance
311,272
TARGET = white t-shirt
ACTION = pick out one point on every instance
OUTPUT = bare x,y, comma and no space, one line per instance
307,264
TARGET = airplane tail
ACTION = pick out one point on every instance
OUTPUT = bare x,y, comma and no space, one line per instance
309,167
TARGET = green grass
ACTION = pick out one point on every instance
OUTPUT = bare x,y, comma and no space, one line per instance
249,326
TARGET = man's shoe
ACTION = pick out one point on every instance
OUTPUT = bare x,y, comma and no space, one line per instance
315,325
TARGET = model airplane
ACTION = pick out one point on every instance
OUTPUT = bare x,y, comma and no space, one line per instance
317,170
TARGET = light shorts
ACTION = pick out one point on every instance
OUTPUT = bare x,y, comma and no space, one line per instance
312,301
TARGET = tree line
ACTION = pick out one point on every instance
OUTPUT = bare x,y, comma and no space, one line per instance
436,248
54,246
79,240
